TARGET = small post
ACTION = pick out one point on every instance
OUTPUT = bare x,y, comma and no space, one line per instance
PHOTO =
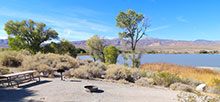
61,73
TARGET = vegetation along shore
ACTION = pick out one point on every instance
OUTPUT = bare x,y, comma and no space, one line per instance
29,52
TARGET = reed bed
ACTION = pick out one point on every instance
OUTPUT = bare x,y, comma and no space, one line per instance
205,75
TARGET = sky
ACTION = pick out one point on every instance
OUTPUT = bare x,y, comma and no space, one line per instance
76,20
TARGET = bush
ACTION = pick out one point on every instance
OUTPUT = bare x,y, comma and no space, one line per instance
139,73
4,71
87,72
189,97
88,61
101,65
215,89
165,78
10,61
49,62
118,72
111,54
181,87
192,82
203,52
12,58
145,82
63,47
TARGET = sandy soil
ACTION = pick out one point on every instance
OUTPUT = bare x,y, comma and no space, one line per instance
72,90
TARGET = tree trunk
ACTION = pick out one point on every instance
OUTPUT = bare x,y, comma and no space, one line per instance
103,57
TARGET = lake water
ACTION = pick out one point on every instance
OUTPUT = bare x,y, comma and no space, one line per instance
195,60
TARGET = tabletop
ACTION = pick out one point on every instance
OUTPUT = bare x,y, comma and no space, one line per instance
19,73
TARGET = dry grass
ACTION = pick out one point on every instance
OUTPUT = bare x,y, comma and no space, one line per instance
181,87
87,72
4,71
12,58
49,62
118,72
205,75
46,63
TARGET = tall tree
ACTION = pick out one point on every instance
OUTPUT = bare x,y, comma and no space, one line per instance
28,35
134,26
111,54
96,47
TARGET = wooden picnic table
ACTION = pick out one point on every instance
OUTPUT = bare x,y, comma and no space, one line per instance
20,77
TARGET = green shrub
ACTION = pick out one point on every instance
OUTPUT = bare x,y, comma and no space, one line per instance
111,54
118,72
87,72
165,78
63,47
203,52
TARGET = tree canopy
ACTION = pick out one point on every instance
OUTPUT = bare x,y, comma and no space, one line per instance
96,47
111,54
63,47
28,35
134,26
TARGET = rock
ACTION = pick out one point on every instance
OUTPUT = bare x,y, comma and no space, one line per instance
182,87
201,87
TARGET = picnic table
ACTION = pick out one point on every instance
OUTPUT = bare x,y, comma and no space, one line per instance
20,77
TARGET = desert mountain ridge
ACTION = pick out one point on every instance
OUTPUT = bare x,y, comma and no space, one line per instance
151,43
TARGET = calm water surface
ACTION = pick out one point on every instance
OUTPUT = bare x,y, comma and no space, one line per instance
195,60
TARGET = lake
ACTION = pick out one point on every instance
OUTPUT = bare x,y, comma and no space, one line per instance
195,60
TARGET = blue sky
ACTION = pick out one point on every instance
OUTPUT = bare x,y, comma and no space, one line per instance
80,19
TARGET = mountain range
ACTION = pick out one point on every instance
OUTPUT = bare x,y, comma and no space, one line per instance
152,44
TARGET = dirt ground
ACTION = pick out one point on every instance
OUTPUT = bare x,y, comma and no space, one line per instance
72,90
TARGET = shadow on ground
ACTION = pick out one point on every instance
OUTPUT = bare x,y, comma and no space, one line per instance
75,80
34,84
18,94
98,91
14,95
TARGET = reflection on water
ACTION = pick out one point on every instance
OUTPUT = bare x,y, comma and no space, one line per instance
195,60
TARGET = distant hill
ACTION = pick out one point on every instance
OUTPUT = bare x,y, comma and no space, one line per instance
3,43
152,44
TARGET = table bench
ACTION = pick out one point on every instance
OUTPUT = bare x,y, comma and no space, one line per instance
19,78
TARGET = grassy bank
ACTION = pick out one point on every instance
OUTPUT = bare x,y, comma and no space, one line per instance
205,75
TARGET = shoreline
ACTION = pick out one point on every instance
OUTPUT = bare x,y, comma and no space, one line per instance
207,67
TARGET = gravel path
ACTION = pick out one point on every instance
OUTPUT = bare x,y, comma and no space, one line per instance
55,90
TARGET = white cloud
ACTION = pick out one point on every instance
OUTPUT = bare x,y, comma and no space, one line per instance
69,27
158,28
182,19
72,34
3,37
3,34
